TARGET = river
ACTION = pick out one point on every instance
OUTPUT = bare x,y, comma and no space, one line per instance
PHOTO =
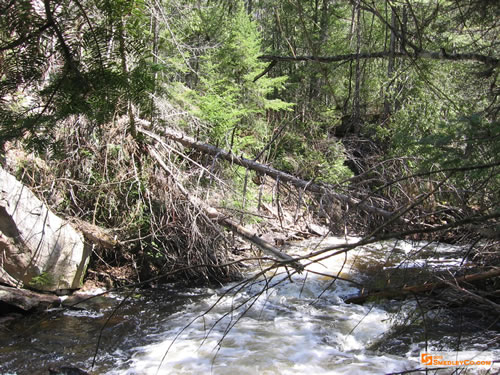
271,325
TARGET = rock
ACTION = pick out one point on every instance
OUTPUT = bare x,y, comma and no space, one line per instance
8,318
318,229
38,249
66,370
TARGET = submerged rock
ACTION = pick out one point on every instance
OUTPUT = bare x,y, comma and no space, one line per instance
38,249
67,371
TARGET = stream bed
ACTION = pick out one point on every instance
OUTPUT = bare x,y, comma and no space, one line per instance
268,325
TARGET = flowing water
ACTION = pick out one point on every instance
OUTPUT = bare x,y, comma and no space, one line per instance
264,326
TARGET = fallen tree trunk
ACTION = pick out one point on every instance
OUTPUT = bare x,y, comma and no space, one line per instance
263,169
95,235
27,300
424,288
214,215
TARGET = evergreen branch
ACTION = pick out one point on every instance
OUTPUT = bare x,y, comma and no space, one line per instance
441,55
68,56
25,38
94,36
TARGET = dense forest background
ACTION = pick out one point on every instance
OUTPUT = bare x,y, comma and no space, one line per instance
391,103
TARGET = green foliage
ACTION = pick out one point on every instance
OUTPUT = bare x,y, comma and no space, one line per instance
42,280
461,143
225,94
323,162
244,195
77,69
440,123
103,59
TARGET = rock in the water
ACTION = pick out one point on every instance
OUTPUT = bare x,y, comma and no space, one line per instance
37,248
67,371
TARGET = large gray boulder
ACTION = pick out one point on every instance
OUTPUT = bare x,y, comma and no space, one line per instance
38,249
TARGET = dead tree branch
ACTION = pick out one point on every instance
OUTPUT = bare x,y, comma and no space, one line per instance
263,169
225,221
441,55
424,288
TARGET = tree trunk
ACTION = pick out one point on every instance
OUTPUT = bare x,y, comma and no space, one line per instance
315,81
356,110
125,71
227,222
249,7
27,300
155,31
263,169
424,288
402,48
421,54
390,65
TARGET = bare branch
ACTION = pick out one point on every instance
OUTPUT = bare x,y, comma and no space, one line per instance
266,170
441,55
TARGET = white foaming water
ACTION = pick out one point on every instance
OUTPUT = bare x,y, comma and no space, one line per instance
272,327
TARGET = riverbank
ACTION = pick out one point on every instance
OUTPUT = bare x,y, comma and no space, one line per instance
278,221
258,325
148,236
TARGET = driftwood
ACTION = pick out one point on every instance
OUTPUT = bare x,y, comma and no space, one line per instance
310,186
214,215
28,300
424,288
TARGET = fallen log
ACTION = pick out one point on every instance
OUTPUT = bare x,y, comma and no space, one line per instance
214,215
262,244
310,186
27,300
95,235
423,288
